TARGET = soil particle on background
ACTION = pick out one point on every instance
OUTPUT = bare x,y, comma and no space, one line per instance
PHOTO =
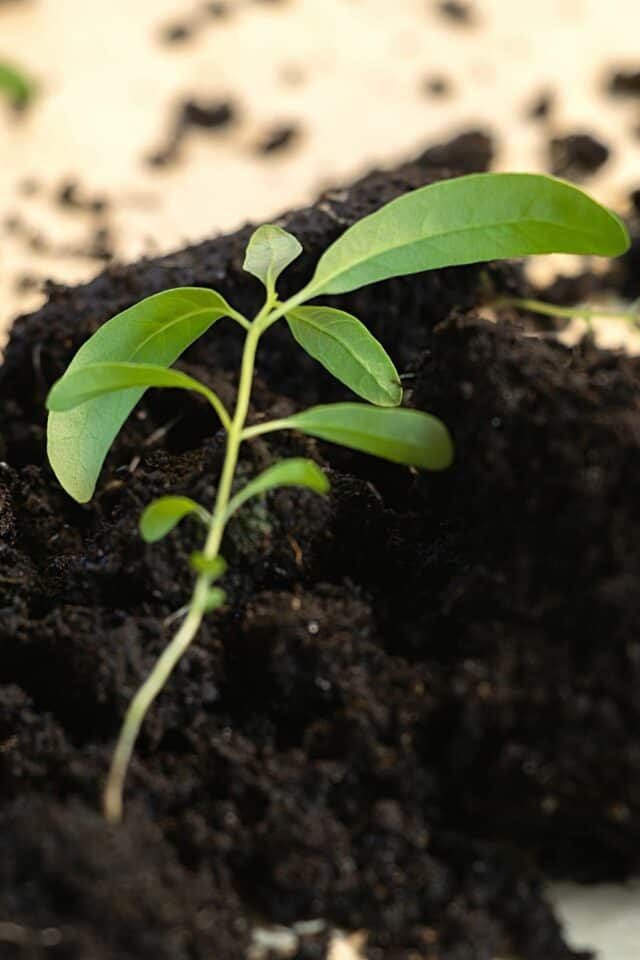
70,196
398,746
624,83
183,31
436,85
541,106
189,115
176,33
466,153
456,11
577,155
279,138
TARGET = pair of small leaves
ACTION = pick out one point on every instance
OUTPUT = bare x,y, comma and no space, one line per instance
161,516
468,219
213,568
334,338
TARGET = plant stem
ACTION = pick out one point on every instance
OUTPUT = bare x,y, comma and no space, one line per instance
631,314
167,661
139,708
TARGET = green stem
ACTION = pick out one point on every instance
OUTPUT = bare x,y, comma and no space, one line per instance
584,313
269,427
166,663
141,703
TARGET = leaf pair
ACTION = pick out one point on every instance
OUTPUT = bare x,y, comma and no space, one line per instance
334,338
161,516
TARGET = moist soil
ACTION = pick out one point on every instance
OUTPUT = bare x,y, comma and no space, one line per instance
422,694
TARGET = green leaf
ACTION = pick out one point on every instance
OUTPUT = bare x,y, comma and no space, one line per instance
270,250
16,84
404,436
295,472
214,567
156,330
471,219
215,599
100,379
346,349
161,516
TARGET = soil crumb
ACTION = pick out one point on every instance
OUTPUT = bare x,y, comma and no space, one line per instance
577,155
625,83
189,115
279,138
456,11
541,106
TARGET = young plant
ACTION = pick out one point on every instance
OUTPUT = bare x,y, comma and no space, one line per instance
470,219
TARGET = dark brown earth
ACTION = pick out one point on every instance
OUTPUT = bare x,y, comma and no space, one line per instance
423,690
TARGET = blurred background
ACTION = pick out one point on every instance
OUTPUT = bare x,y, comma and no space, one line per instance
133,127
145,124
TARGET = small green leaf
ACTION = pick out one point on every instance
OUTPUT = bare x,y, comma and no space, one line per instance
156,330
16,84
295,472
216,598
270,250
471,219
346,349
99,379
404,436
214,567
161,516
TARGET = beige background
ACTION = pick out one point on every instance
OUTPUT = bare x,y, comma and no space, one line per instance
351,73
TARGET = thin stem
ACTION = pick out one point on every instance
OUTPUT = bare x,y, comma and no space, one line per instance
550,310
257,429
219,407
140,705
238,317
267,319
167,661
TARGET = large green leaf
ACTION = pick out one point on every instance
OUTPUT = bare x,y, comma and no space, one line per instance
484,216
345,347
404,436
295,472
269,251
162,515
157,330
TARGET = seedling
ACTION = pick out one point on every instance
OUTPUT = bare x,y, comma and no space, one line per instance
470,219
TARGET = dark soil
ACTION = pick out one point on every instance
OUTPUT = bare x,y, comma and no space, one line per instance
423,691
